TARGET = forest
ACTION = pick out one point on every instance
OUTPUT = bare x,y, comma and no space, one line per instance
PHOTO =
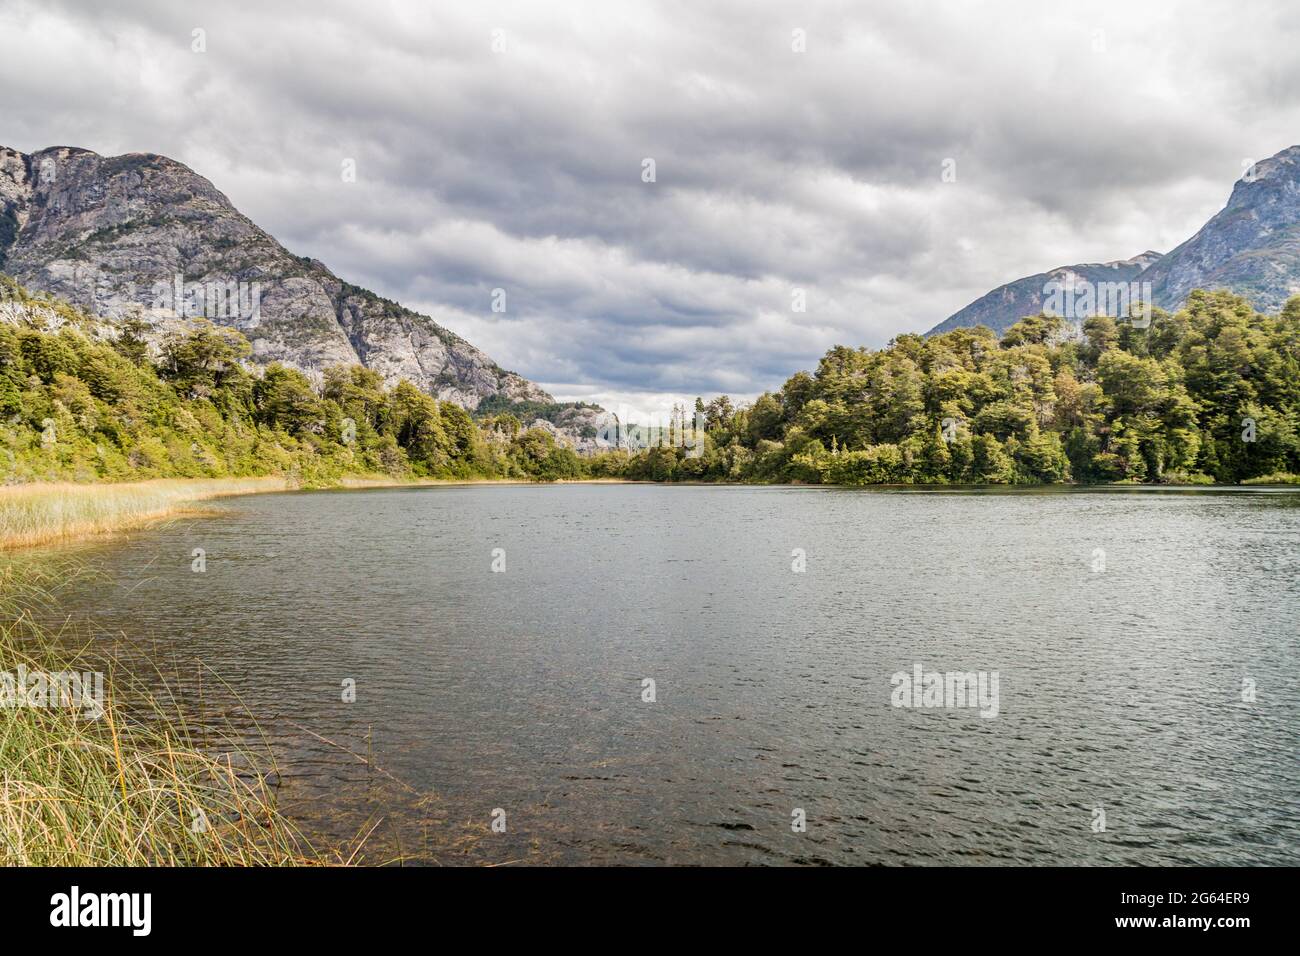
1207,394
79,405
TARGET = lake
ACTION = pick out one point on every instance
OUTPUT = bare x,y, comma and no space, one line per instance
1127,630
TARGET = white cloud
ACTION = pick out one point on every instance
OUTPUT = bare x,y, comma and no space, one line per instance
775,170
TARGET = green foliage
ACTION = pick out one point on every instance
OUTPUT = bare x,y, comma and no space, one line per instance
1170,402
526,411
76,406
1209,394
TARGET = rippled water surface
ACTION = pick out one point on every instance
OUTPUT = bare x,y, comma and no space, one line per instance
1119,689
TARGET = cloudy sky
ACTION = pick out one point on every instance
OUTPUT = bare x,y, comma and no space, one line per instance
502,145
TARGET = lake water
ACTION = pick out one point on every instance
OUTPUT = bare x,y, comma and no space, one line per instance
1124,627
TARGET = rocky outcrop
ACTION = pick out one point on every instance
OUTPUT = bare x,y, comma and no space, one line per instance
142,234
1007,304
1251,247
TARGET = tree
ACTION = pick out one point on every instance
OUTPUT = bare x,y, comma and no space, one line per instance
417,426
203,359
131,342
283,398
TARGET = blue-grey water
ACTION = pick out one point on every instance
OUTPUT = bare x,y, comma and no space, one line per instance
1130,631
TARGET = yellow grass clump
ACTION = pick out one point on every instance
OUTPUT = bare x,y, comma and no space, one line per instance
129,786
38,514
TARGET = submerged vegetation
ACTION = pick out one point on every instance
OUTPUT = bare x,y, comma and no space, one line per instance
96,770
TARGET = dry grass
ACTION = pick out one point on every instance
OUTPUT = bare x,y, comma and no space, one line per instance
47,513
53,512
131,788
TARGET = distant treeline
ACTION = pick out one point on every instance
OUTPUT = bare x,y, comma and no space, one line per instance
1208,394
1211,393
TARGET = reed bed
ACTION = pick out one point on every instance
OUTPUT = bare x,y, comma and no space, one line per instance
40,514
132,787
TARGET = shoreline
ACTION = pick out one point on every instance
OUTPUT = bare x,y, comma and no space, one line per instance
39,514
132,776
51,513
42,513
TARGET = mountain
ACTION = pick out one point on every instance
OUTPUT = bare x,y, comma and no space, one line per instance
1007,304
113,234
1251,247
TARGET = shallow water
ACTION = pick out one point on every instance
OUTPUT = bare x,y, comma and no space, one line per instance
1118,689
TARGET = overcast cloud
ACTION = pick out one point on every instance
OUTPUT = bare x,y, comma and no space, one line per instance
1080,132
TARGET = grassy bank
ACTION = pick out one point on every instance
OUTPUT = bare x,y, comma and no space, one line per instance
46,513
1278,478
129,787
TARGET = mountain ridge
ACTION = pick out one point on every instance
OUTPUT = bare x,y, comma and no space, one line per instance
1026,296
1250,247
109,234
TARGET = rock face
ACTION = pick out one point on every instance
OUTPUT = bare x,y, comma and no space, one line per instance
1007,304
1251,247
142,234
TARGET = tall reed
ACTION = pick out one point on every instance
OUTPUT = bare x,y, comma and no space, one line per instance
46,513
130,788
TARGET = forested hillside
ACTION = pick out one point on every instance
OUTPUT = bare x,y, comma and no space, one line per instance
1208,394
77,404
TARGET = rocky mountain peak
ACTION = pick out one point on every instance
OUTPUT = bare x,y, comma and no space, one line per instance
1251,247
142,234
1007,304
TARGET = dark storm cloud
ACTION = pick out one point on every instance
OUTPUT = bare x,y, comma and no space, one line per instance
1080,132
